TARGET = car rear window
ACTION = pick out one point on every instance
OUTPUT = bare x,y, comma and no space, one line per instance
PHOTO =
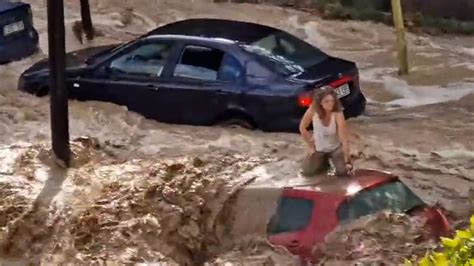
394,196
285,53
293,214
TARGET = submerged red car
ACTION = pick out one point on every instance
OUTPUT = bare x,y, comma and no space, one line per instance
305,215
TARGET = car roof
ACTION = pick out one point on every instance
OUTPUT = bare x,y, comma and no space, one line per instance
362,179
187,37
239,31
7,5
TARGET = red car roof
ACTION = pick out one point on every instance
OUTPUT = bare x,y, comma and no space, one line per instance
362,179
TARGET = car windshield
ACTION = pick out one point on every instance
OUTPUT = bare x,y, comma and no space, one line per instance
285,53
394,196
107,52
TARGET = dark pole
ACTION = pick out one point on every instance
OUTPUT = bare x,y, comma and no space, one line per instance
58,92
87,20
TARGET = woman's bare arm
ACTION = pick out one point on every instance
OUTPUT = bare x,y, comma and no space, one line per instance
343,134
304,124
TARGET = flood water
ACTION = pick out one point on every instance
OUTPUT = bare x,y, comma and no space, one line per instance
111,206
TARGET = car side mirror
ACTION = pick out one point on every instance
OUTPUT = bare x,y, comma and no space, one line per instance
108,72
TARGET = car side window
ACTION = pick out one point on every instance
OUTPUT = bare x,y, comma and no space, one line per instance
204,63
146,60
293,214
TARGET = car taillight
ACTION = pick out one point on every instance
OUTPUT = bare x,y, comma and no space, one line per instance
305,100
444,222
340,81
437,221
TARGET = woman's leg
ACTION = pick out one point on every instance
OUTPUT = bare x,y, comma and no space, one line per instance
315,164
337,158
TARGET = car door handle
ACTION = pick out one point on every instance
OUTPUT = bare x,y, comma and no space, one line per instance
152,87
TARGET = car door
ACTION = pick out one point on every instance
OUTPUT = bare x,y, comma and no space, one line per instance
204,82
131,78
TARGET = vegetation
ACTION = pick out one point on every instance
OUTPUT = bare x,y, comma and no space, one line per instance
456,251
377,11
442,25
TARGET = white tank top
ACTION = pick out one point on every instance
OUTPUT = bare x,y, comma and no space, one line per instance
325,138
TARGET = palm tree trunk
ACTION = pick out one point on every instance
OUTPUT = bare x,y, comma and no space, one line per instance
87,20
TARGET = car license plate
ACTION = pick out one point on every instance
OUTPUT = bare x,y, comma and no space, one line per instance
13,27
343,90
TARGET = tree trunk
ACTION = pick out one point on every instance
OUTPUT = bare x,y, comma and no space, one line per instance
87,20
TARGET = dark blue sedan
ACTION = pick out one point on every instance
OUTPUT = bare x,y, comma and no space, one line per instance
18,37
207,72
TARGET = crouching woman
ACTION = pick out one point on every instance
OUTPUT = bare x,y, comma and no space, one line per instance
328,140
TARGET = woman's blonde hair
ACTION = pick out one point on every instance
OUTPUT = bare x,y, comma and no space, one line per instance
318,98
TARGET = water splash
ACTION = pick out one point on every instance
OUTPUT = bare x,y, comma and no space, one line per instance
412,96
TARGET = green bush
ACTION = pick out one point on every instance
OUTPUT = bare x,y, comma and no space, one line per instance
322,5
456,251
348,3
467,28
336,11
368,14
373,10
449,26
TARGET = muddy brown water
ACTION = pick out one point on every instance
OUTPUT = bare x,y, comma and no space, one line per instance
112,207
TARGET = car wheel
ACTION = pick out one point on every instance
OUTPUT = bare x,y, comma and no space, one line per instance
237,122
42,92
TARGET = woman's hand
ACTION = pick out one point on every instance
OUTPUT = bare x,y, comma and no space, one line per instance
349,168
311,150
